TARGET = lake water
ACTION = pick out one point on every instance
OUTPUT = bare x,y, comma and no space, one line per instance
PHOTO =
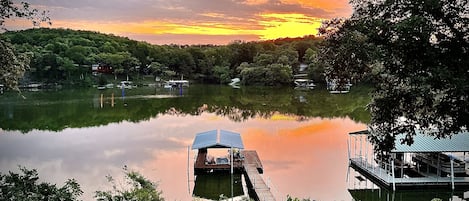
300,136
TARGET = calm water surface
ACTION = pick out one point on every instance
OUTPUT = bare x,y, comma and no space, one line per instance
300,136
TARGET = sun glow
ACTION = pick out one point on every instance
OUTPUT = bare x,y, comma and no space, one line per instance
288,25
266,26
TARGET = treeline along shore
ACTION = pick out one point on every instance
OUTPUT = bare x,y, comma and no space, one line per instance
66,57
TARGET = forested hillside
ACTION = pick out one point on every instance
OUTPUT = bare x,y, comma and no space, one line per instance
65,56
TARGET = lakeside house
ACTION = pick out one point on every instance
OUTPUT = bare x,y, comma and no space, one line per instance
101,68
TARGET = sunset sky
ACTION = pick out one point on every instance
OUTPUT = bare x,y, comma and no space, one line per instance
191,21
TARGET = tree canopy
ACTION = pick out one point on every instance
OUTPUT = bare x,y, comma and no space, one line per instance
12,64
66,56
417,53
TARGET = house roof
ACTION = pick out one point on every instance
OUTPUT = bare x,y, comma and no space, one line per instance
217,139
425,143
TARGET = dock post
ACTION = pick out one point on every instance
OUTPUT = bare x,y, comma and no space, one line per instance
452,173
393,176
188,162
355,147
361,156
348,149
366,154
231,168
102,101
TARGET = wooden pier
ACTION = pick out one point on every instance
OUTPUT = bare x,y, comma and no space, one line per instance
252,170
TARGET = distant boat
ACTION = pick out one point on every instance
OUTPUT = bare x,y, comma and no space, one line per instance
304,83
176,84
34,85
127,84
101,87
235,83
334,87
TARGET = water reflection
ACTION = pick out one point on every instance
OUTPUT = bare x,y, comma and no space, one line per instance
300,137
301,158
57,110
218,185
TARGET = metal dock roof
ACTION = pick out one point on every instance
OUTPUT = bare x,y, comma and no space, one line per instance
217,139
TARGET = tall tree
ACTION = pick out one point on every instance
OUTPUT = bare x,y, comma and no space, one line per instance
421,65
13,66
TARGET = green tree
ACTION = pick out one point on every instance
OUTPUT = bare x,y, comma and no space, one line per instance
264,59
13,66
278,74
315,66
140,188
67,66
25,186
222,73
347,54
420,68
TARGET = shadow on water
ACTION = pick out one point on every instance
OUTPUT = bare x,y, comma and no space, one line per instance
77,108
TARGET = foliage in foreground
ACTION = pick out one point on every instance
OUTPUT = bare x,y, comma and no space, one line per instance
139,188
25,186
289,198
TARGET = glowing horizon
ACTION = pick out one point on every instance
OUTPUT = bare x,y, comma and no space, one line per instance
193,22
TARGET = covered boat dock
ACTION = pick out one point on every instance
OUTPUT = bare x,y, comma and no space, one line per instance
239,160
219,139
428,162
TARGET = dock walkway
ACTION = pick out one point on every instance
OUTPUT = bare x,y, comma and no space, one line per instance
381,176
253,168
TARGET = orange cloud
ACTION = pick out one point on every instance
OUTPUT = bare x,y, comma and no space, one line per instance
269,26
324,4
255,2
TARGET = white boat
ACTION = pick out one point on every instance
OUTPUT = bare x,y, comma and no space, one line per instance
34,85
167,85
127,84
304,83
334,87
235,83
1,88
176,83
